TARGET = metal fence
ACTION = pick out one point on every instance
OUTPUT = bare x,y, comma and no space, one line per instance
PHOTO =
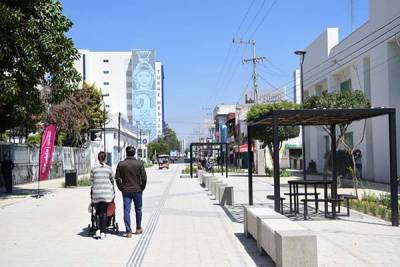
26,160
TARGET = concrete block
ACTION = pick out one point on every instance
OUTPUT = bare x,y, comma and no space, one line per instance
214,187
219,191
268,229
227,196
208,182
296,248
251,214
259,223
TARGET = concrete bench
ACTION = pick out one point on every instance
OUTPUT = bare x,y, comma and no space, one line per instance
214,186
204,178
208,182
250,218
288,243
218,191
225,195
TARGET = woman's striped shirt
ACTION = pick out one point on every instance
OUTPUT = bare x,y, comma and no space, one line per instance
103,183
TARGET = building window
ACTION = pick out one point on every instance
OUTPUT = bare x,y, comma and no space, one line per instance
348,139
106,72
158,94
105,60
115,135
345,86
106,83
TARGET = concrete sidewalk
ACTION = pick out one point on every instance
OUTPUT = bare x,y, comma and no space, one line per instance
182,225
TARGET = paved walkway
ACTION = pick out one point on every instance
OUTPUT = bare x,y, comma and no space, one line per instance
182,225
359,240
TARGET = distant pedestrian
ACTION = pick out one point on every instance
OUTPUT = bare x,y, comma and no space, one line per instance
102,192
7,165
131,180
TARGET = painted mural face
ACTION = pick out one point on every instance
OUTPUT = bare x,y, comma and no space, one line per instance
144,98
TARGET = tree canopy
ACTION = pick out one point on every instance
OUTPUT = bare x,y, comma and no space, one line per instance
35,54
78,113
264,133
164,144
347,99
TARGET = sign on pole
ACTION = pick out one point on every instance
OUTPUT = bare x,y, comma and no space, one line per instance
46,151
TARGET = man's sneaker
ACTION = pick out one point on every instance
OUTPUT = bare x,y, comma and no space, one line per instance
102,235
97,234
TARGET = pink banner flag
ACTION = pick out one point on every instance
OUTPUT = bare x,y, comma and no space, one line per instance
46,151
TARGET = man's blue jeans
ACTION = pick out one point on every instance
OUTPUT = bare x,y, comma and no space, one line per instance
136,197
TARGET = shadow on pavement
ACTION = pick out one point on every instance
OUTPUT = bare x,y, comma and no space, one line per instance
86,233
20,192
251,248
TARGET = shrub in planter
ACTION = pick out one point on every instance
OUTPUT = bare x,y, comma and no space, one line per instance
381,211
372,209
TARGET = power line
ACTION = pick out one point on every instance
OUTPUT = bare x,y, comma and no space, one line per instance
349,60
221,72
340,52
263,19
254,18
353,44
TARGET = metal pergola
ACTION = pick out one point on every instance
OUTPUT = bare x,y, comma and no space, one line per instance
319,117
210,146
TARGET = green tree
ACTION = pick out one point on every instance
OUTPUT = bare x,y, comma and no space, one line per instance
36,61
171,139
158,147
347,99
264,133
77,114
164,144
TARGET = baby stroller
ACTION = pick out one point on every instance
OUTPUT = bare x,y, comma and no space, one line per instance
112,225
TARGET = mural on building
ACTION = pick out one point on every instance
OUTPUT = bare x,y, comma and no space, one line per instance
144,94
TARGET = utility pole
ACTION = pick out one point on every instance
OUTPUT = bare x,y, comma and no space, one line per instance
119,135
253,60
104,118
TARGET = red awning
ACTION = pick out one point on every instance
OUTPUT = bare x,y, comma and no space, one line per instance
243,148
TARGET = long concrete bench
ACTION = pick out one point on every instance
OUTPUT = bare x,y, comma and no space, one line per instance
286,242
218,187
250,219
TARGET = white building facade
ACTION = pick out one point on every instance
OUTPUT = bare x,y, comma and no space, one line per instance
366,60
133,83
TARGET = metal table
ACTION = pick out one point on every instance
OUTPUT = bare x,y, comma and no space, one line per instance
294,192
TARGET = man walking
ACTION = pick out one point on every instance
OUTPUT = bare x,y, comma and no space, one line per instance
131,180
6,168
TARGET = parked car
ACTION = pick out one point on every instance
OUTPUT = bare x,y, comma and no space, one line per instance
163,161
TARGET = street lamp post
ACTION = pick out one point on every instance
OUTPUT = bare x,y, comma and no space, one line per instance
104,120
301,54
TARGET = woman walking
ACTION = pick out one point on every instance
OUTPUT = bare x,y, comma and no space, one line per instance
102,192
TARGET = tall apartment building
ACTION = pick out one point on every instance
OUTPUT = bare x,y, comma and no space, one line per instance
368,60
134,82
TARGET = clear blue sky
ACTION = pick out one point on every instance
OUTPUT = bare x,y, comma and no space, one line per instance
193,39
